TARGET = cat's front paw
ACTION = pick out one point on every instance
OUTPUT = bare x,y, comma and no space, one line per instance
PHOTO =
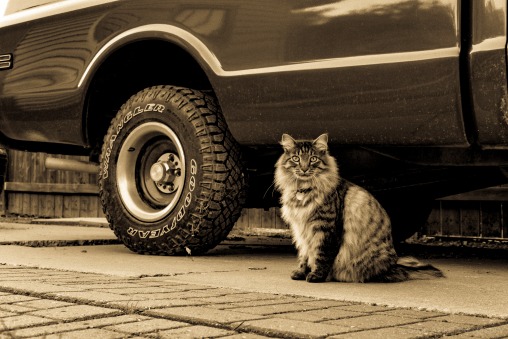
298,275
315,278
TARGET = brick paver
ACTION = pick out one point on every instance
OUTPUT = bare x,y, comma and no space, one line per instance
157,303
320,315
204,314
41,287
292,328
4,314
245,336
13,298
198,331
278,308
75,312
95,295
388,333
76,326
440,327
491,332
412,313
43,304
466,319
55,304
18,321
88,333
146,326
371,321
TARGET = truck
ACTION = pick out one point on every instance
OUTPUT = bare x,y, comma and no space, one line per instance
180,105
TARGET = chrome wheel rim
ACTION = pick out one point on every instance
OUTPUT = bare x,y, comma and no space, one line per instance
151,171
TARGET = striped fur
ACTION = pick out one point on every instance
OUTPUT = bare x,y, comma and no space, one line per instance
340,230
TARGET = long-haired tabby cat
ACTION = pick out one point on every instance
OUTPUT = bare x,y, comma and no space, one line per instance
340,230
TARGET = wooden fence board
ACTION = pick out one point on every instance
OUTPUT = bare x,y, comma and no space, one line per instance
279,223
255,218
58,213
47,205
243,221
33,190
268,218
450,218
434,221
470,218
25,207
490,220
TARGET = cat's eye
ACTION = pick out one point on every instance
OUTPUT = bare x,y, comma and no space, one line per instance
295,158
314,159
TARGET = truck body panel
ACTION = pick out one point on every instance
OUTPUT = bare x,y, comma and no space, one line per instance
487,72
374,73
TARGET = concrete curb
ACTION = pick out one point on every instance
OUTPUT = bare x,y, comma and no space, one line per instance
91,222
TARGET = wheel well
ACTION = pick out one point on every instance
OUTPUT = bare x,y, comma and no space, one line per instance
131,69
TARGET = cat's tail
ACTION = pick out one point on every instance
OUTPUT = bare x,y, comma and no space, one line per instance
408,268
418,270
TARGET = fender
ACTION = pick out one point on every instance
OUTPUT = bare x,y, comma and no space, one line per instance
170,33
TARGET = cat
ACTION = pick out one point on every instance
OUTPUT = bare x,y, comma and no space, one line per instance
340,230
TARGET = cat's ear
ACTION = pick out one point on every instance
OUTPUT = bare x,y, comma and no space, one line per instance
287,142
321,143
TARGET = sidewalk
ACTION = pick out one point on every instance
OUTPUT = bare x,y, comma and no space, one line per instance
59,304
124,295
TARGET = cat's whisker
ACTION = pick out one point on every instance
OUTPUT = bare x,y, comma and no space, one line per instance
273,189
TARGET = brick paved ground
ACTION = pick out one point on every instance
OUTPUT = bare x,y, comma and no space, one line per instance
58,304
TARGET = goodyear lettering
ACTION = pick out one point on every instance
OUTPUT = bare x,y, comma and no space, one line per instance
181,213
155,234
143,234
188,199
194,167
165,230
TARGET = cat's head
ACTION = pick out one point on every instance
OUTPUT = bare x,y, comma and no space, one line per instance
306,159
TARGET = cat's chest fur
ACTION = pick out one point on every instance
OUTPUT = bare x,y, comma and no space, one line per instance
296,214
299,207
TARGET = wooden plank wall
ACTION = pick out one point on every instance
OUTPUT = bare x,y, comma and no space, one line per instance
255,218
477,214
33,190
469,219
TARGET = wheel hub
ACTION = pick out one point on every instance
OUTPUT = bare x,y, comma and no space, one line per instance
165,171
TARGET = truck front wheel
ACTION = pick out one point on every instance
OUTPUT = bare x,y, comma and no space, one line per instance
170,178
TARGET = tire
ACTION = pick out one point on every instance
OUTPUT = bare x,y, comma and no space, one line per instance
170,180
